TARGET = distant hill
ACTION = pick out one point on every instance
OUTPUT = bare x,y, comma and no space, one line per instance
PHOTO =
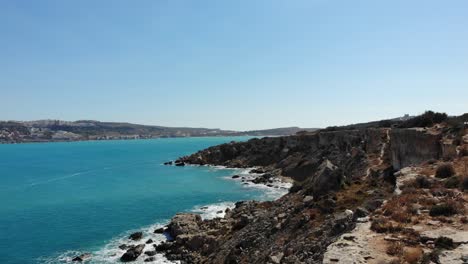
427,119
58,130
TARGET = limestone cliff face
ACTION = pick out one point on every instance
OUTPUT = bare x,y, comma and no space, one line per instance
298,227
413,146
296,156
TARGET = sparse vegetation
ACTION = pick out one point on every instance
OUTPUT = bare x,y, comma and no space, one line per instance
445,170
428,119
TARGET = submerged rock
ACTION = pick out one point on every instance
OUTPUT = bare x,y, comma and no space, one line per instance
82,257
123,246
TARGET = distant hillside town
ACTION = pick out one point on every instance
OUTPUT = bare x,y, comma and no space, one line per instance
58,130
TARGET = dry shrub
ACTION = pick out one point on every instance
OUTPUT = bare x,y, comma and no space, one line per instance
401,216
382,225
394,249
445,170
401,208
413,255
464,220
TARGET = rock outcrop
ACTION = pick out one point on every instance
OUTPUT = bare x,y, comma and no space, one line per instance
413,146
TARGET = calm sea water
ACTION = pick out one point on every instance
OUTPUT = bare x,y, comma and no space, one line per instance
59,199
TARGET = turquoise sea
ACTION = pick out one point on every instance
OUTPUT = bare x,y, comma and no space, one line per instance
61,199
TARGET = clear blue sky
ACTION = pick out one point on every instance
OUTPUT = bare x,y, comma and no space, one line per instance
243,64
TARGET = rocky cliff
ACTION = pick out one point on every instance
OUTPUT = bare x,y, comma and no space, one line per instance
341,179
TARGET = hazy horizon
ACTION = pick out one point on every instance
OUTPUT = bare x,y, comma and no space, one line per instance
242,65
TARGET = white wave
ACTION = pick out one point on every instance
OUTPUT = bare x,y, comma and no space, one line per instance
211,211
58,178
111,252
271,191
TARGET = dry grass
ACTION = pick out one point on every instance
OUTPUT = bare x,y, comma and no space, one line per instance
401,208
383,225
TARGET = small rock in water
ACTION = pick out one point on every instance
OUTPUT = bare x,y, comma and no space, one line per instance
82,257
159,230
180,164
123,246
149,241
219,212
151,259
136,236
235,176
168,163
150,253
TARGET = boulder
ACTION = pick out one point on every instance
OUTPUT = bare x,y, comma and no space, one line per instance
136,236
150,253
183,223
162,247
328,178
132,253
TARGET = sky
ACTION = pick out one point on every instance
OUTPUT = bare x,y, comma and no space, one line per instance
241,65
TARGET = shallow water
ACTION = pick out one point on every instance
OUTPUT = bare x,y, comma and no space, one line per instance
58,199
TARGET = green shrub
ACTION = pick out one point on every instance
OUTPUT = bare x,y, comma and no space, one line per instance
444,209
464,183
422,182
428,119
452,182
444,242
445,170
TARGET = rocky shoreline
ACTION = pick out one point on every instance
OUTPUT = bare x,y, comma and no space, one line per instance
373,195
338,208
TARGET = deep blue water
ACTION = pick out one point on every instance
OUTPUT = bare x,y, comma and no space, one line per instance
57,198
